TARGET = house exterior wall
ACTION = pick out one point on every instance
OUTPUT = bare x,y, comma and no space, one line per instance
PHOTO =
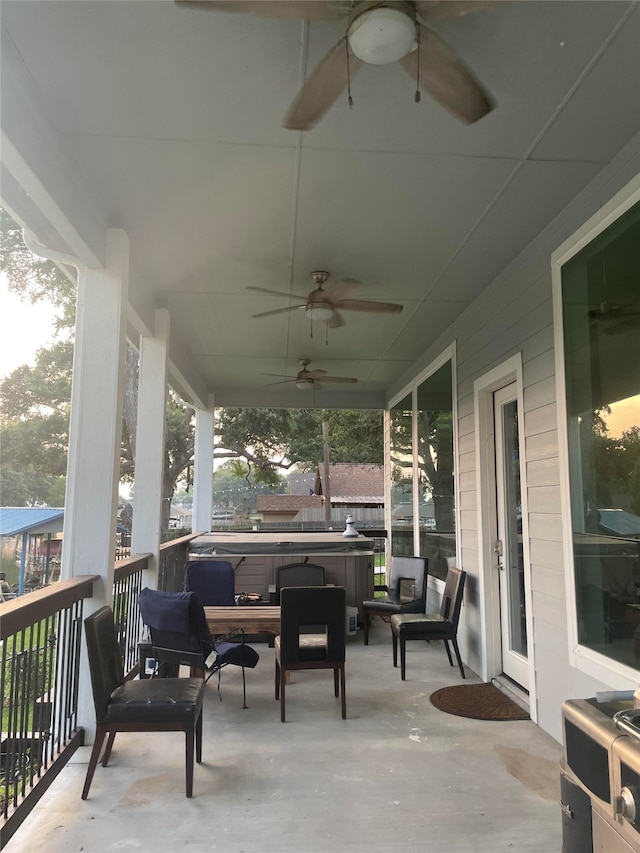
514,317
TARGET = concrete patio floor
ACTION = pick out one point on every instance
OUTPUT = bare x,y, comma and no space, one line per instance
396,775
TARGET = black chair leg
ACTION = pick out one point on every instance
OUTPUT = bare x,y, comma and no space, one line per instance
244,690
107,752
395,648
93,760
365,625
336,683
199,738
458,658
282,689
446,645
189,738
343,693
277,680
403,655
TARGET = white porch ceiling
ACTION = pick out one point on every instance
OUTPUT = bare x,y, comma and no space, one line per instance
166,122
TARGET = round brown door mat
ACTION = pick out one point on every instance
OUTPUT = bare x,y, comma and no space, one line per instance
478,701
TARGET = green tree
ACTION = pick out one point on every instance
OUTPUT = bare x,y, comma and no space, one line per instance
34,429
234,487
269,440
32,278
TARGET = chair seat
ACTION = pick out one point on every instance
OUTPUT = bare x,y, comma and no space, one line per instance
313,647
419,625
156,700
237,654
391,604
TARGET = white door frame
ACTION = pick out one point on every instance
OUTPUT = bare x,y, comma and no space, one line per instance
483,388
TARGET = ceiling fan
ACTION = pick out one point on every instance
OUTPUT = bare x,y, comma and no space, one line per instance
323,303
612,318
378,32
307,379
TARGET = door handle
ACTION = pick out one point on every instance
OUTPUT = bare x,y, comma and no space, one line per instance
497,550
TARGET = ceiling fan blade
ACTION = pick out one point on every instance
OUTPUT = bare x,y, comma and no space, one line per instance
433,10
343,379
317,374
367,305
336,289
445,77
278,311
281,375
322,88
282,381
336,320
277,293
318,10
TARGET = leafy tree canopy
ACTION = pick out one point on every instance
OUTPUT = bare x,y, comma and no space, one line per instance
269,440
33,278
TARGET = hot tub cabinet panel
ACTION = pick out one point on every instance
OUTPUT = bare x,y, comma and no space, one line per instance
256,556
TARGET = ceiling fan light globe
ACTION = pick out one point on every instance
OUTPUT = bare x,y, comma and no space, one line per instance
304,384
381,36
318,311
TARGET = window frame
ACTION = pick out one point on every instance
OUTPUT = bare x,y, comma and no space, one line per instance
448,354
584,659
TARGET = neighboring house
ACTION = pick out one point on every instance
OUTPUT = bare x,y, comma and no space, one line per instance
357,490
34,534
286,508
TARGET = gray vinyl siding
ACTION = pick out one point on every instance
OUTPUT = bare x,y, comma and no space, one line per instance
514,316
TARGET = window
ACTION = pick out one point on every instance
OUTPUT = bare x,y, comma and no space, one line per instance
601,330
401,450
435,467
422,468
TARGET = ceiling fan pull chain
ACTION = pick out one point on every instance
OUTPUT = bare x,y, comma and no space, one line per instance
350,99
416,97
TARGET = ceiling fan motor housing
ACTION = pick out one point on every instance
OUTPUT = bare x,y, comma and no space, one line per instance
318,307
381,33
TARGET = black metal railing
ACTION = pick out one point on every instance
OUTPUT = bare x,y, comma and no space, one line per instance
127,583
172,559
39,668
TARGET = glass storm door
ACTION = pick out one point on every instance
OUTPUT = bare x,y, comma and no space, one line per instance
508,545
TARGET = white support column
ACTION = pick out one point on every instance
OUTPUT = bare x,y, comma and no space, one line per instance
95,428
95,432
150,437
203,469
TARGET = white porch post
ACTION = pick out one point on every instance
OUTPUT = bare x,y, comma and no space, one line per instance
203,469
150,437
95,430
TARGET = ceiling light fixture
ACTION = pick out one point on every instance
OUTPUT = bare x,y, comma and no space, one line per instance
318,310
304,384
382,35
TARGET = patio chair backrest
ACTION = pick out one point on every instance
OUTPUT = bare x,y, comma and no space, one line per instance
105,659
213,580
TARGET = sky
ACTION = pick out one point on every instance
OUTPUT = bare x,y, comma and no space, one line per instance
24,328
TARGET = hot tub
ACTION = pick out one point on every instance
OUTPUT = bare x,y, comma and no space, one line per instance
348,561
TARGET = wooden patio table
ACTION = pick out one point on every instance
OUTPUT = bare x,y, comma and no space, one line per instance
254,619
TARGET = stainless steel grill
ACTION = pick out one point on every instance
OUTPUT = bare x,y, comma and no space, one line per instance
601,776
